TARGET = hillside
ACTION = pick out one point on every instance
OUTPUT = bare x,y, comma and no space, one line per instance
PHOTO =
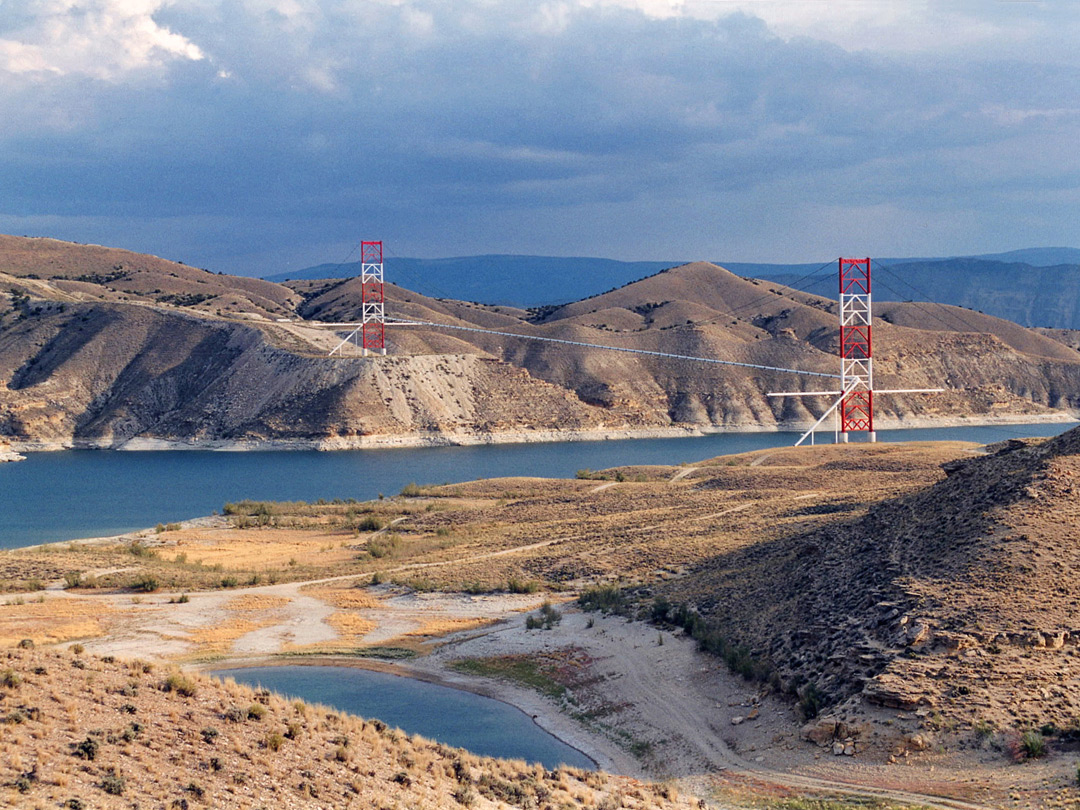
90,731
956,602
101,347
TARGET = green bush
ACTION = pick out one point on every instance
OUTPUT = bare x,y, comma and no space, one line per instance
605,598
516,585
369,523
113,784
10,679
1033,744
147,583
384,545
87,749
256,711
73,579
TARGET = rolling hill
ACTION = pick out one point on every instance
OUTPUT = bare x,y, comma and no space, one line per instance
1035,286
101,347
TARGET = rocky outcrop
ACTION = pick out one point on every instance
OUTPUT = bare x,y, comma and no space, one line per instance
955,606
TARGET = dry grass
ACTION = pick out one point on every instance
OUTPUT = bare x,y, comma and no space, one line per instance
445,626
342,596
351,628
164,755
50,621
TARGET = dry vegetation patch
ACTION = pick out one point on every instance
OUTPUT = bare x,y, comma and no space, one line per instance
50,619
110,734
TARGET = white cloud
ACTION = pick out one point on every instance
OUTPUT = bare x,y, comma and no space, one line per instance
103,39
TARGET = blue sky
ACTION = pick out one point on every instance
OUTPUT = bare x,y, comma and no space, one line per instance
257,136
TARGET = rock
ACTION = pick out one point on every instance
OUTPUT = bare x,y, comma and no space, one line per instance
918,633
737,720
1057,640
917,742
824,730
849,750
838,749
892,692
754,714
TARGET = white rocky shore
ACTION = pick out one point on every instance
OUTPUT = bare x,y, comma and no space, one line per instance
7,454
523,436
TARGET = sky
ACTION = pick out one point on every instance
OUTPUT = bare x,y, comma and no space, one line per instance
262,136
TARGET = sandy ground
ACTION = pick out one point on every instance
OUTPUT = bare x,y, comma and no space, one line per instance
648,705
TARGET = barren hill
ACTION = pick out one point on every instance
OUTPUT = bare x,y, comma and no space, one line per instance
958,602
102,346
122,734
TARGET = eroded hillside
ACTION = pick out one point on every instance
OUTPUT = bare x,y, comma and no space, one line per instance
100,347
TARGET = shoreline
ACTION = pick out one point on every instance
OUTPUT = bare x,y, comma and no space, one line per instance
438,677
451,439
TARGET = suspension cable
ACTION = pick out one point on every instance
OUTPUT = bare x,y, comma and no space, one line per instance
611,348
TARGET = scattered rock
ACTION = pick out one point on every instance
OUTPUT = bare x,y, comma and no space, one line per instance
824,730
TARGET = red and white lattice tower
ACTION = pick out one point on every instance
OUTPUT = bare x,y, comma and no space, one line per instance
373,297
856,349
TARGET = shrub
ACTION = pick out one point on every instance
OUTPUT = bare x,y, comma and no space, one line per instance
209,734
73,579
87,749
26,644
605,598
369,523
402,778
811,700
516,585
10,679
147,583
256,711
410,490
385,545
180,684
113,784
465,795
77,649
1033,744
274,741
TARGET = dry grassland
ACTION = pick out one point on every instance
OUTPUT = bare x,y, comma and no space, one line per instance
51,620
512,534
83,731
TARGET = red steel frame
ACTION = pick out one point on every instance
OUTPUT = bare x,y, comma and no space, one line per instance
373,295
856,347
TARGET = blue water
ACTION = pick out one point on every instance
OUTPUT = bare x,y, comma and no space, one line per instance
89,493
451,716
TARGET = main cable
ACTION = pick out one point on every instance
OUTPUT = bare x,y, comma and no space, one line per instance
611,348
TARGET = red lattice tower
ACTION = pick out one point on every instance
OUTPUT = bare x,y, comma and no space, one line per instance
856,348
373,296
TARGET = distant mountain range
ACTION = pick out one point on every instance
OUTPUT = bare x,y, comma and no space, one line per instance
1033,286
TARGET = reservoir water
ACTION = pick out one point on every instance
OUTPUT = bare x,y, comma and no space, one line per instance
91,493
461,719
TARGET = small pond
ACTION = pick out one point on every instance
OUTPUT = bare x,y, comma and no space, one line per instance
451,716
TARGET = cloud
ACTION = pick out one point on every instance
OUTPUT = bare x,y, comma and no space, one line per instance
104,39
633,128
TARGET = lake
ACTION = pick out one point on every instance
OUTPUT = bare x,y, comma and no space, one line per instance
451,716
91,493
